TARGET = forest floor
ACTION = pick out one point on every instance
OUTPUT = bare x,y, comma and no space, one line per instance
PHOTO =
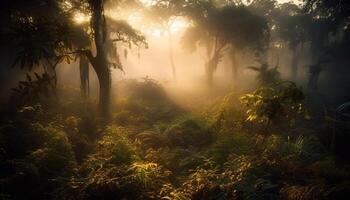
154,149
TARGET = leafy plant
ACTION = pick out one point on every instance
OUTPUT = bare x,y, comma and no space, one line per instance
266,75
146,173
35,88
272,104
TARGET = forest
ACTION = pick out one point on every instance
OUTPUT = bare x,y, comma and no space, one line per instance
174,99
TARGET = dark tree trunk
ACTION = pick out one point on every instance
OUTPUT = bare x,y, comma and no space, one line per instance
211,66
235,65
315,71
213,62
100,63
84,76
104,77
295,63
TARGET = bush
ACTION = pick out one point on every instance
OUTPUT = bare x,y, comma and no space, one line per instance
144,103
188,132
47,166
56,157
226,144
178,160
116,171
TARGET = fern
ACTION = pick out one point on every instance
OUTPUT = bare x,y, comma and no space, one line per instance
145,172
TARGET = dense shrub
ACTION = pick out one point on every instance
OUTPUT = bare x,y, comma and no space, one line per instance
116,171
47,165
144,103
188,132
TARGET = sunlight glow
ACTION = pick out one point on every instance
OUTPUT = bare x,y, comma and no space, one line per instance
147,3
81,18
67,5
178,24
134,19
156,32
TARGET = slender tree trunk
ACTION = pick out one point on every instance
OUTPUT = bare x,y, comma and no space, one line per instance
314,74
234,64
295,63
100,63
313,80
212,64
234,67
209,73
84,76
171,55
211,67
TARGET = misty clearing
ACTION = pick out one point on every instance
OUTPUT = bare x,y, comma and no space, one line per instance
175,99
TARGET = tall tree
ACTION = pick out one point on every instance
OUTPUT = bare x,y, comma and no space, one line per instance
219,29
48,41
292,27
329,17
105,48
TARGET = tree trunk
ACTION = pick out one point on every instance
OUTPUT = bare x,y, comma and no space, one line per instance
211,66
235,66
209,73
100,63
314,74
295,63
171,56
104,77
313,79
84,76
213,62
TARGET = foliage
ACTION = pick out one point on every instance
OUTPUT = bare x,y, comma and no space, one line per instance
47,163
215,29
115,148
188,133
40,41
32,91
224,115
144,103
266,75
71,157
121,33
145,173
272,104
116,170
153,149
230,143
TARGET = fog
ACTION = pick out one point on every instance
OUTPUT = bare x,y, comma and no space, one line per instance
154,61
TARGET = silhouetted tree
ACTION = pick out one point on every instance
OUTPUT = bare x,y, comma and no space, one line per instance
329,18
219,29
292,27
43,41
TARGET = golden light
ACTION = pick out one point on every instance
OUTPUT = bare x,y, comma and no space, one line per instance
138,21
134,19
177,24
66,5
147,3
156,32
81,18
